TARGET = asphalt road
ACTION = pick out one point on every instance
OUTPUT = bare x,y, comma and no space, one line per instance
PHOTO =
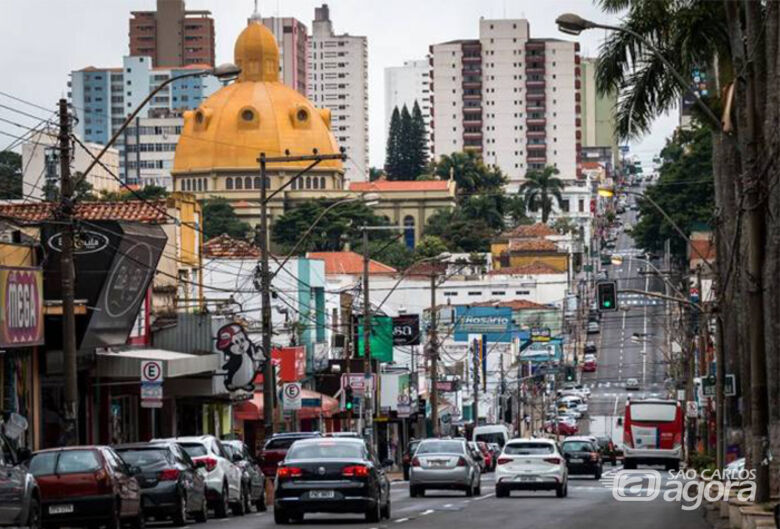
589,504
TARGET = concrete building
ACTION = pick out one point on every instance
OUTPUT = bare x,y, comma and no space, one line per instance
150,145
406,84
512,98
598,114
173,36
41,166
292,36
338,81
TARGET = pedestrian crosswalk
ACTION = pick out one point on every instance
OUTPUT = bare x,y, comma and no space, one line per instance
632,298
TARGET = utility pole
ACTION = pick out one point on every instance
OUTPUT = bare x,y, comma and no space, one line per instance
502,388
67,271
367,395
433,344
475,345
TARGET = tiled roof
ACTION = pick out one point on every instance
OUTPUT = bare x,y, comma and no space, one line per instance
138,210
349,263
515,304
400,185
226,247
532,245
535,268
531,230
592,165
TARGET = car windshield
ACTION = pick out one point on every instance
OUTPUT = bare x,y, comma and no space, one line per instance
68,462
496,437
440,447
528,449
326,450
195,449
653,412
144,457
578,446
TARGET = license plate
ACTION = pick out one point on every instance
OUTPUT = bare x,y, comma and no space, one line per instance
525,478
61,509
576,460
322,494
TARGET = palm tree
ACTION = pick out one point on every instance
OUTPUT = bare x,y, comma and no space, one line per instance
540,187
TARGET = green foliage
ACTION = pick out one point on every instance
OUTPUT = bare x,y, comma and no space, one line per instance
82,190
540,188
395,253
460,232
429,246
470,173
407,148
418,143
564,226
685,190
150,192
393,162
219,217
337,226
10,175
375,173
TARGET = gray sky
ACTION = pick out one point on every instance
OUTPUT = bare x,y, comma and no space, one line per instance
43,40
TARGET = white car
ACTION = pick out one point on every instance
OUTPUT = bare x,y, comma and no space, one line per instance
531,464
223,477
632,384
571,420
593,326
572,401
584,390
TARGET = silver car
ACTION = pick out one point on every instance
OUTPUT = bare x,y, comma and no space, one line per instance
444,464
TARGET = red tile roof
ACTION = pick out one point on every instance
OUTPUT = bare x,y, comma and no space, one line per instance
400,185
532,245
349,263
515,304
532,230
592,165
138,210
535,268
226,247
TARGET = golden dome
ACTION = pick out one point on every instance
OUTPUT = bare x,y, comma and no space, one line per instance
253,115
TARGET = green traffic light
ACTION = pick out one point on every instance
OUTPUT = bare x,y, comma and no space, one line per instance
607,303
348,406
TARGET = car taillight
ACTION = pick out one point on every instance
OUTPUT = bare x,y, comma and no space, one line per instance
169,474
209,462
289,472
461,461
355,471
415,462
504,460
553,460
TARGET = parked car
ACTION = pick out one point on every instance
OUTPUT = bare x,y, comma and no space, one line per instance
607,448
531,464
87,485
172,485
582,456
444,464
491,433
490,463
632,384
407,457
584,390
593,327
561,428
20,497
223,478
589,364
590,348
275,449
252,480
333,476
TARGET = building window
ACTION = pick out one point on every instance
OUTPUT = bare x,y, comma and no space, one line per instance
200,184
522,292
316,183
475,293
257,182
409,231
450,293
239,182
308,182
248,182
229,183
498,293
205,184
322,182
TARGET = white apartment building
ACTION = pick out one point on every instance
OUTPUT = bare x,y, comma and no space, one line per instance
406,84
150,145
292,36
338,80
510,97
41,165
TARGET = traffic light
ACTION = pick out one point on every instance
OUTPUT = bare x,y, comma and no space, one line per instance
349,398
607,296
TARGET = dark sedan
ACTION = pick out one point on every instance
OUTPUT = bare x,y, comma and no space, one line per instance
608,449
330,476
252,478
582,457
172,487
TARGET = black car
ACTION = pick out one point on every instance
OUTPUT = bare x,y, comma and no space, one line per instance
172,485
407,457
332,476
607,448
582,457
252,480
590,348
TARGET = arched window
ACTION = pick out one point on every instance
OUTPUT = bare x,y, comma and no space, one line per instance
308,182
200,184
229,182
189,184
257,182
294,185
322,182
315,183
239,182
248,182
205,184
409,231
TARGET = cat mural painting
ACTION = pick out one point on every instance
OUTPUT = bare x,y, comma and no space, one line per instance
243,359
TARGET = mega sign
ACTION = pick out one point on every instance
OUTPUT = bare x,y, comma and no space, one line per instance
494,322
21,317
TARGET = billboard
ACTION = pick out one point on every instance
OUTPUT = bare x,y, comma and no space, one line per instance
381,342
21,307
291,361
495,323
406,330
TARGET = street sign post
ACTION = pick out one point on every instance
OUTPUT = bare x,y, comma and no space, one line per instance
151,384
708,386
358,382
291,394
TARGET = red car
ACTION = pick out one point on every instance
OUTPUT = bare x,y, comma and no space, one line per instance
589,366
490,464
87,485
563,428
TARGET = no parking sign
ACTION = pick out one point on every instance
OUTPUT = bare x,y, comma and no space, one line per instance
291,394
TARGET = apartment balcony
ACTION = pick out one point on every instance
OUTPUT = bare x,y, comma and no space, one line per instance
472,84
472,97
534,46
471,122
536,159
536,134
467,72
472,110
472,135
536,121
535,70
467,59
536,107
475,148
536,146
535,84
535,96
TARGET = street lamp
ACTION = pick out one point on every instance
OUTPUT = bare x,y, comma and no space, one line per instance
573,24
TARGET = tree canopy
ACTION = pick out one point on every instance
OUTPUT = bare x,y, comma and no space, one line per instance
10,175
219,217
540,188
407,146
149,192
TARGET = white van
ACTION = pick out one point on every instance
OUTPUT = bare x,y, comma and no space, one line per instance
491,433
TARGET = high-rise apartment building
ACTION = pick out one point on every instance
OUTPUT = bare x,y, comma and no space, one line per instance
598,114
293,39
173,36
512,98
406,84
338,80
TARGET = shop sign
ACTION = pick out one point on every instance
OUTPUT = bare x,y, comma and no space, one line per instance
406,330
290,362
21,312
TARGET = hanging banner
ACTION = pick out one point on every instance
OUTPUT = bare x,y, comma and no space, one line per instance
381,342
21,312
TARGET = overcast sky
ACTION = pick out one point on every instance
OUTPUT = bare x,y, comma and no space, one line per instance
43,40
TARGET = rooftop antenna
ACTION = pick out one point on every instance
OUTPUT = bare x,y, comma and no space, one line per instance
256,14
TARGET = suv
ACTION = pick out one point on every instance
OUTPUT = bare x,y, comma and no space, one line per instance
223,478
276,447
20,499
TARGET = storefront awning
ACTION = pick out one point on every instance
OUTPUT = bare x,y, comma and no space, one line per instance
252,410
127,364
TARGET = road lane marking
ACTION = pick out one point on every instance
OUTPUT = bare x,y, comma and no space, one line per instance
447,506
424,513
486,496
402,520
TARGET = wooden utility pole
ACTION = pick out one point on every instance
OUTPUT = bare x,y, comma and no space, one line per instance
433,346
368,406
67,272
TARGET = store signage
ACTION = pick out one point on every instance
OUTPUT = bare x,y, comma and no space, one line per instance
540,334
406,330
21,313
494,322
84,241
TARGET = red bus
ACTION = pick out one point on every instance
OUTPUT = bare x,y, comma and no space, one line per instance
653,433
